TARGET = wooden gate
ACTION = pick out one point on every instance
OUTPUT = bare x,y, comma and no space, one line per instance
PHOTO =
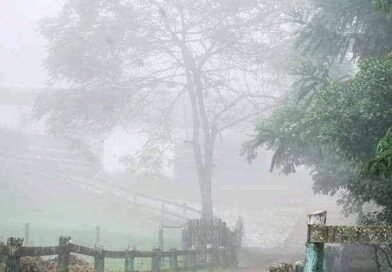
202,234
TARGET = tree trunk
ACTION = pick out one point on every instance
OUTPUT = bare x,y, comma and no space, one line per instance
203,150
205,186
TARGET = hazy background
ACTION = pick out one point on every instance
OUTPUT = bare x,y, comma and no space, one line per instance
274,206
21,47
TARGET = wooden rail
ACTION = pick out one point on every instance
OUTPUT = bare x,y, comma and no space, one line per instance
202,259
86,251
181,211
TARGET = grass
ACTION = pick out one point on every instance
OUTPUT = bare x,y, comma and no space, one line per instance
54,209
110,238
77,214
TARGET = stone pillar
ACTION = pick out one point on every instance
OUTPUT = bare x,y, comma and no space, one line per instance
314,255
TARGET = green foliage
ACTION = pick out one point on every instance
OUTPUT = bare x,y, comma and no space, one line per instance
381,165
344,29
310,76
337,132
384,5
375,180
357,113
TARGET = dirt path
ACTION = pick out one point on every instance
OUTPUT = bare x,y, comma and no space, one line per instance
259,259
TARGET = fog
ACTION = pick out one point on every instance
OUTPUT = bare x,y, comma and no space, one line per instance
129,116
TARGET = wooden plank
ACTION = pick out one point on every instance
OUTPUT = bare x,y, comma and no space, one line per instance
181,205
43,251
112,254
157,209
82,250
381,235
172,226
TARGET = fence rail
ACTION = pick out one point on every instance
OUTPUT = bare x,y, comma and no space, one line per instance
213,257
91,252
164,207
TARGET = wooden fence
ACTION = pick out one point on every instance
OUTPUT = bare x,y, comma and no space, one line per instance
166,208
14,250
163,207
206,245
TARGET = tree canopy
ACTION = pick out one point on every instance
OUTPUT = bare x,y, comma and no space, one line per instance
136,63
333,124
343,29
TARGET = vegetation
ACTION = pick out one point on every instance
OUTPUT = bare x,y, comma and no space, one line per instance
337,119
330,123
38,264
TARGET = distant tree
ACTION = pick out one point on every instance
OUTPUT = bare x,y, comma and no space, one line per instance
134,63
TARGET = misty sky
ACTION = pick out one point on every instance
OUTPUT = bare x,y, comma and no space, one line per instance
21,47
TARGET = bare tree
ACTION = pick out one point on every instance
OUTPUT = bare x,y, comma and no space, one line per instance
134,62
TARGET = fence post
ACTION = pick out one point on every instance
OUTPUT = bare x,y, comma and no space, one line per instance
156,260
222,260
210,257
64,257
299,267
193,263
160,236
27,234
135,201
185,245
13,260
130,259
173,262
238,233
163,211
184,210
99,259
314,254
97,235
